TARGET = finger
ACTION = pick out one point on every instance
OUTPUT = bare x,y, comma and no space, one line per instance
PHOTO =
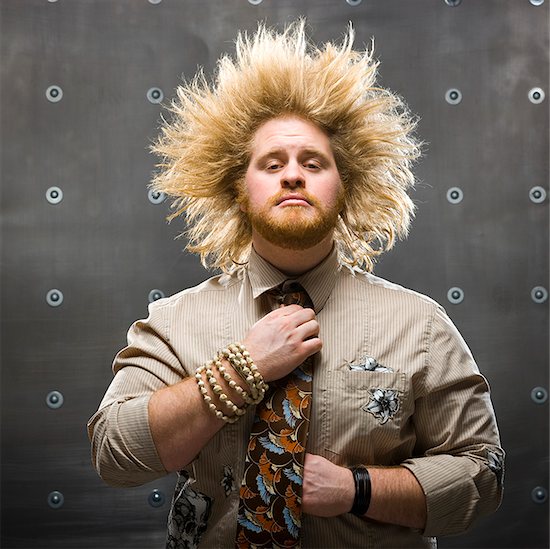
302,317
312,346
293,317
285,310
314,461
307,329
310,465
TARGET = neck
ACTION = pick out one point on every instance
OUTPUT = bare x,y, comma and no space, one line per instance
292,262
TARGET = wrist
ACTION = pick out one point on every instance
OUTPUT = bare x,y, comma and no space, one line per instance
213,380
231,387
362,496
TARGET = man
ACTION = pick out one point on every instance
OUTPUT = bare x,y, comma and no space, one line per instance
355,416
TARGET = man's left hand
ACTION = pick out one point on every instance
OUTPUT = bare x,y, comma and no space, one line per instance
328,489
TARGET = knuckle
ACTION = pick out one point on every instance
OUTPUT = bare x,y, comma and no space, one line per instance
294,344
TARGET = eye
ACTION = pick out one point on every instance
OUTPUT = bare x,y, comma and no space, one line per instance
311,165
272,166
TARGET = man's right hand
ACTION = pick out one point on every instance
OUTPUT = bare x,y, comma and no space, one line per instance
282,340
179,419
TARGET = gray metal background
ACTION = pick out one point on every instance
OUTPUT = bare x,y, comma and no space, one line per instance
106,246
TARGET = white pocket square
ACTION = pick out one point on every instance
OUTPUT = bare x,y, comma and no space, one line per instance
368,364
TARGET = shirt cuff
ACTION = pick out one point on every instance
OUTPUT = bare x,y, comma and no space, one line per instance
133,426
451,494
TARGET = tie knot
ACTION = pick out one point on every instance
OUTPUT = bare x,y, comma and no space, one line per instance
291,292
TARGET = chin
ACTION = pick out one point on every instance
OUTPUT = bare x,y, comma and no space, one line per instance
295,240
294,228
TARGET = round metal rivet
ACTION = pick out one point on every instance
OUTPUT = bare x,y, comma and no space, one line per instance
539,294
54,94
539,494
155,95
156,197
54,298
455,195
453,96
537,2
536,95
539,395
154,295
254,2
353,2
156,498
55,499
54,400
455,295
155,1
54,195
453,3
537,195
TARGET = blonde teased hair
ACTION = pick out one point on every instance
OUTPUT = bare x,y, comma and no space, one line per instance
206,147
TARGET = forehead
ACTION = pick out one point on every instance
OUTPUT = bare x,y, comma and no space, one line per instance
290,132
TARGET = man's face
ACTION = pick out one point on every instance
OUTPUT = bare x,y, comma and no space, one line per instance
292,189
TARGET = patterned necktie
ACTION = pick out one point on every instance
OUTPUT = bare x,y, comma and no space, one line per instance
270,507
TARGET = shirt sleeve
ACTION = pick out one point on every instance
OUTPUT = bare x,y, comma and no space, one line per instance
123,451
459,462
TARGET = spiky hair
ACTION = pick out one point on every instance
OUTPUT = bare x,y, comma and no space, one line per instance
206,146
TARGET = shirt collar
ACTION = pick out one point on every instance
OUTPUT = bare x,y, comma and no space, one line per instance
318,283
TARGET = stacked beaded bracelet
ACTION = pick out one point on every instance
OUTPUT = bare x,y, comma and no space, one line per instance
231,382
208,399
218,391
240,359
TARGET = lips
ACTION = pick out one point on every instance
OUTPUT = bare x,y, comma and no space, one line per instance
293,200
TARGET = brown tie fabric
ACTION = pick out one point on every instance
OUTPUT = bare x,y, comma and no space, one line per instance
270,509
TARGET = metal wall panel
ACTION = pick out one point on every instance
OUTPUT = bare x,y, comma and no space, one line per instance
105,246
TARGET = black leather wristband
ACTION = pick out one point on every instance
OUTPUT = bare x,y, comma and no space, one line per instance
361,501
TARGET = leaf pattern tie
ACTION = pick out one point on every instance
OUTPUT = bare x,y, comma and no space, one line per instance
270,507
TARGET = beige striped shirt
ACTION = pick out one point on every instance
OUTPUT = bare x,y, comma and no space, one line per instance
394,384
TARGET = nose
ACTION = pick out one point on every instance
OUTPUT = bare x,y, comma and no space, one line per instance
292,176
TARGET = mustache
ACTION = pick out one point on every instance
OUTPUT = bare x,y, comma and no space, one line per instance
302,195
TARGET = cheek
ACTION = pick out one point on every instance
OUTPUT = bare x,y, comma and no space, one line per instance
254,192
337,196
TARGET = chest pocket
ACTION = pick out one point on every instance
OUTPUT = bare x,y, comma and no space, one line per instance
366,417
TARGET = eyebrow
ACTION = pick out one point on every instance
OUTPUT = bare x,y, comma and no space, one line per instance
308,151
